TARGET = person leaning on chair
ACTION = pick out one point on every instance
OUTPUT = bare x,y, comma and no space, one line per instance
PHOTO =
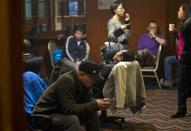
148,45
68,101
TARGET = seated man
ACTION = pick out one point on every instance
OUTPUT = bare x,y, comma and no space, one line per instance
168,63
148,45
77,49
69,99
33,87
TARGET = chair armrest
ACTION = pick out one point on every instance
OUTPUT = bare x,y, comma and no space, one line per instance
40,116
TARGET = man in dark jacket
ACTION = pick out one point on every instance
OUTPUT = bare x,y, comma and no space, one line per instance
69,100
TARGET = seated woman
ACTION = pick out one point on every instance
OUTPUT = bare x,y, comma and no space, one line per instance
148,45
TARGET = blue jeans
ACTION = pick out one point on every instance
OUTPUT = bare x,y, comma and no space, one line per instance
169,61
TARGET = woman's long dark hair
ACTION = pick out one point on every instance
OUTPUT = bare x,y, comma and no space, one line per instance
115,5
186,6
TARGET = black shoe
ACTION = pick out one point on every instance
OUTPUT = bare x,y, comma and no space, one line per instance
179,114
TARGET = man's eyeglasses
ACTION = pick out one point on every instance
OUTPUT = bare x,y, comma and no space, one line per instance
153,27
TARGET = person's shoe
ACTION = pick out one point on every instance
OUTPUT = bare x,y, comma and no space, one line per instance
142,109
138,109
167,84
179,114
134,110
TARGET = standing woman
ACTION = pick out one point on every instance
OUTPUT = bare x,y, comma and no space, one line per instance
119,83
118,27
184,57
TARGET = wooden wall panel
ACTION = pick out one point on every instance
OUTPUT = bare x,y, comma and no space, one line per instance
141,12
96,21
163,11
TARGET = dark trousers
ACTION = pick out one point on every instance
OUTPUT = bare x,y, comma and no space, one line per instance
62,122
91,123
181,90
184,85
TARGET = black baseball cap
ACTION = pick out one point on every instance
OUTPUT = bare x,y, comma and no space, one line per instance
91,68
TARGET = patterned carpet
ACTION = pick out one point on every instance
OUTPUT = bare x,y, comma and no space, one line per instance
156,117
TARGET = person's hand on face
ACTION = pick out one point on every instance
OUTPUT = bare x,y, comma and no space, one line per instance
118,57
152,33
127,17
152,29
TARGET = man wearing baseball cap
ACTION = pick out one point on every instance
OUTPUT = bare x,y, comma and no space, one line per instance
68,101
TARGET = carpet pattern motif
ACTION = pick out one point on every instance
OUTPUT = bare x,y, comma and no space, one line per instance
160,105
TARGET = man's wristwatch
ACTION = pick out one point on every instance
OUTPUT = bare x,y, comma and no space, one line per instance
154,37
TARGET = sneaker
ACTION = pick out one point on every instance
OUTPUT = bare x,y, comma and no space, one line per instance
166,84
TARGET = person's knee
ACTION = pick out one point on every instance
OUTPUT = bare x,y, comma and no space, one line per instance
74,119
62,122
73,123
167,59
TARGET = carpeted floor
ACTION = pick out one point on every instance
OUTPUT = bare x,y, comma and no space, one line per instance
156,117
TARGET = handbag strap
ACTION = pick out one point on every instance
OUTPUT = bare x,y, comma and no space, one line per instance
110,41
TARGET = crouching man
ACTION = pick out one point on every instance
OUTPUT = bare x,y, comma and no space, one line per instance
68,101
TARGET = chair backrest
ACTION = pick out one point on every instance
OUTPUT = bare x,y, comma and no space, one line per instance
51,48
158,57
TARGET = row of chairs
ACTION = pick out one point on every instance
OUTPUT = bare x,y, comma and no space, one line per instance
147,71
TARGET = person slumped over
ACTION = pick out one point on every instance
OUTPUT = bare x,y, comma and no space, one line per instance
68,101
